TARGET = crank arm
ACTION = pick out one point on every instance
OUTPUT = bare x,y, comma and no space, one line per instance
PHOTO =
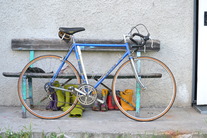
84,93
79,91
100,101
69,90
58,88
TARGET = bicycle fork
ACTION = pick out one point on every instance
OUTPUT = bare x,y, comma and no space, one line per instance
138,80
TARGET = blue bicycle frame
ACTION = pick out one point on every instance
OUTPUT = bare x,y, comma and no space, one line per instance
77,48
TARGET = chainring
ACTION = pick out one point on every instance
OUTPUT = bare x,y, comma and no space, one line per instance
90,97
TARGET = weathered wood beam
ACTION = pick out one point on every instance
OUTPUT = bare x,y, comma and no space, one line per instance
60,45
90,76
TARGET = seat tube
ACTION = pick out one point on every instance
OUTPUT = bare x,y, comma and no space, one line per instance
81,65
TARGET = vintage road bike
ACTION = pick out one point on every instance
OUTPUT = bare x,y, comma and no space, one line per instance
152,82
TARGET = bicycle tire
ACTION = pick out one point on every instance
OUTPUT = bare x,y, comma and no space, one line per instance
36,100
144,104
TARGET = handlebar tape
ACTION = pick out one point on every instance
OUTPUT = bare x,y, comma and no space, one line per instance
145,38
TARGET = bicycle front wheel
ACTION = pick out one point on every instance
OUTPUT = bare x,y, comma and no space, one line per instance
151,102
33,91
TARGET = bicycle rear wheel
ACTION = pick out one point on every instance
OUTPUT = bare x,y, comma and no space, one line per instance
144,104
34,94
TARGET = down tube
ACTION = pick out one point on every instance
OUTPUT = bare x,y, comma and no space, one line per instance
111,69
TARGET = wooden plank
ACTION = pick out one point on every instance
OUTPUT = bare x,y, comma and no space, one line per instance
67,76
60,45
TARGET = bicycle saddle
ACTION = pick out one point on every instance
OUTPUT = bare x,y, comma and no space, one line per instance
71,31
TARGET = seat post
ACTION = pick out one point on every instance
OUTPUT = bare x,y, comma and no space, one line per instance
73,38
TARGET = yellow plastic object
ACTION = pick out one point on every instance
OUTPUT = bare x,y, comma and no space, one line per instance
60,95
70,98
76,112
127,95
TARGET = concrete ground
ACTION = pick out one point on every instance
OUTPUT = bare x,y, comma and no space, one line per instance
178,122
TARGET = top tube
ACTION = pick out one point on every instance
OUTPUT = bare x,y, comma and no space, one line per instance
99,45
102,45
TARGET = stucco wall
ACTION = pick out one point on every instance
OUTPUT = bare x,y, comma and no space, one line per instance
169,21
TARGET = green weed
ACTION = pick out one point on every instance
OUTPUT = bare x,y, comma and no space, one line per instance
23,133
26,132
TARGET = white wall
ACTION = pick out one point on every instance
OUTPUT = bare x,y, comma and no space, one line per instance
202,67
170,21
